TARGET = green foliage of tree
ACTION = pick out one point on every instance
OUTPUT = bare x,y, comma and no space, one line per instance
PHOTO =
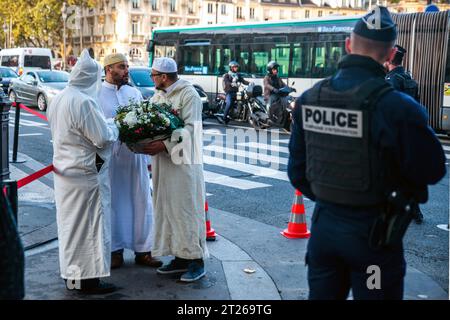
37,23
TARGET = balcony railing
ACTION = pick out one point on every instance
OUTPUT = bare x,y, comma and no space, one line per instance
137,38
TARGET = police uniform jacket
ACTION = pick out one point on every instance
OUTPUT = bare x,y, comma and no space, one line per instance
398,124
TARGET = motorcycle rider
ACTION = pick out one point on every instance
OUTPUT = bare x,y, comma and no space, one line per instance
272,83
275,104
231,82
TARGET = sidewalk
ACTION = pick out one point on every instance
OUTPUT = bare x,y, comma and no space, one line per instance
277,262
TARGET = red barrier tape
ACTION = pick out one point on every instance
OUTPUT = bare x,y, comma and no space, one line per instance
37,114
23,182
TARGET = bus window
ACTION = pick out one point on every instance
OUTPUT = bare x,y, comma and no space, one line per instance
10,61
301,60
261,59
281,55
242,54
222,59
165,51
194,59
335,50
318,63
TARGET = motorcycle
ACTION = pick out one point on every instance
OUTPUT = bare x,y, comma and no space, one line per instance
280,110
249,107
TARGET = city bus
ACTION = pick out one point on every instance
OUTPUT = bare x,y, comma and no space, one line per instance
307,51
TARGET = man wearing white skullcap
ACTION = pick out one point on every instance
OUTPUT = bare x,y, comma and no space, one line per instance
178,184
82,194
131,201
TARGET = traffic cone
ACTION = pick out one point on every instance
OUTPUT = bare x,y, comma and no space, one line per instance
297,224
210,232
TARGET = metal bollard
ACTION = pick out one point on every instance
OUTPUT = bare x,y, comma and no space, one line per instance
10,188
12,266
16,136
5,106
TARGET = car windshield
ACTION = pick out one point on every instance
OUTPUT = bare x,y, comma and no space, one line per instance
142,78
7,73
49,76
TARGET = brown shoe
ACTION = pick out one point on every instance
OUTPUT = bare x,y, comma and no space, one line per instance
116,260
147,260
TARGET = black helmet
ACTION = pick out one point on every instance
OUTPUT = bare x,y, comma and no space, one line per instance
272,65
233,63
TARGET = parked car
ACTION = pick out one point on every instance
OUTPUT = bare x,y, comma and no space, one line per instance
140,78
37,88
6,75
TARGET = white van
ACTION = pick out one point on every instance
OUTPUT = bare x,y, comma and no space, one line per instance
26,59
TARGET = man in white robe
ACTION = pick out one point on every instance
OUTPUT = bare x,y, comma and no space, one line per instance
131,202
80,132
178,182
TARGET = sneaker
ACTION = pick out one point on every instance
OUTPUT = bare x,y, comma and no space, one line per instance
100,288
175,266
196,270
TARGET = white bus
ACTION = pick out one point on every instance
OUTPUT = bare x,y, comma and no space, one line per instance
22,60
307,51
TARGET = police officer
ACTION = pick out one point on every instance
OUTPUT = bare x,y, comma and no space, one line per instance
354,140
398,77
402,81
231,81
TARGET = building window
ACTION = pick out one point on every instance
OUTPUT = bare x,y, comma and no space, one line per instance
239,12
101,53
223,9
135,28
252,13
114,50
154,5
136,4
135,53
173,5
210,22
210,8
306,13
282,14
319,13
190,7
113,4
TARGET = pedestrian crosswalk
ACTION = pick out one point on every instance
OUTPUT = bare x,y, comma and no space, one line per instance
247,161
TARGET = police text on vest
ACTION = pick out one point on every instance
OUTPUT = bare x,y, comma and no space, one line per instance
333,121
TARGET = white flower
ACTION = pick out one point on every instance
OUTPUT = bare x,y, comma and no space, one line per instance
130,119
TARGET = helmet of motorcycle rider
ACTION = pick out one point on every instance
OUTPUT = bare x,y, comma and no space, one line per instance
233,64
272,65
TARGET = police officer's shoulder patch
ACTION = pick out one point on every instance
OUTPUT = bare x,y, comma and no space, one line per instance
340,122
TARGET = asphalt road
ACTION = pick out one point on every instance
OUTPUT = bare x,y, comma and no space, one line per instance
252,183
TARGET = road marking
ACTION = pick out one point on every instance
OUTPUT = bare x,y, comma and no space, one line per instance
443,227
248,168
243,127
36,191
242,184
446,148
244,154
281,141
264,146
30,134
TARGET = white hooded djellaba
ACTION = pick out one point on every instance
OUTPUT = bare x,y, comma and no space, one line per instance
178,183
82,194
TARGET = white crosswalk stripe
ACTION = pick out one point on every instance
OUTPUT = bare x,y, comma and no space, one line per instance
216,178
254,157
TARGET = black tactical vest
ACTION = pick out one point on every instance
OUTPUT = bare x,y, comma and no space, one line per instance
343,166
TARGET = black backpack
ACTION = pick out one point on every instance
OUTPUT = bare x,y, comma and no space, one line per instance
408,85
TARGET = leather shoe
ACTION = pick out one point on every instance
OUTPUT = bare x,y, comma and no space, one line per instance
100,288
116,260
147,260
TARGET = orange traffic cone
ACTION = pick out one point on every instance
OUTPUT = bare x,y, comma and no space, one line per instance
297,224
210,232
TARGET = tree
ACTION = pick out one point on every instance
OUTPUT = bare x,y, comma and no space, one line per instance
38,23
